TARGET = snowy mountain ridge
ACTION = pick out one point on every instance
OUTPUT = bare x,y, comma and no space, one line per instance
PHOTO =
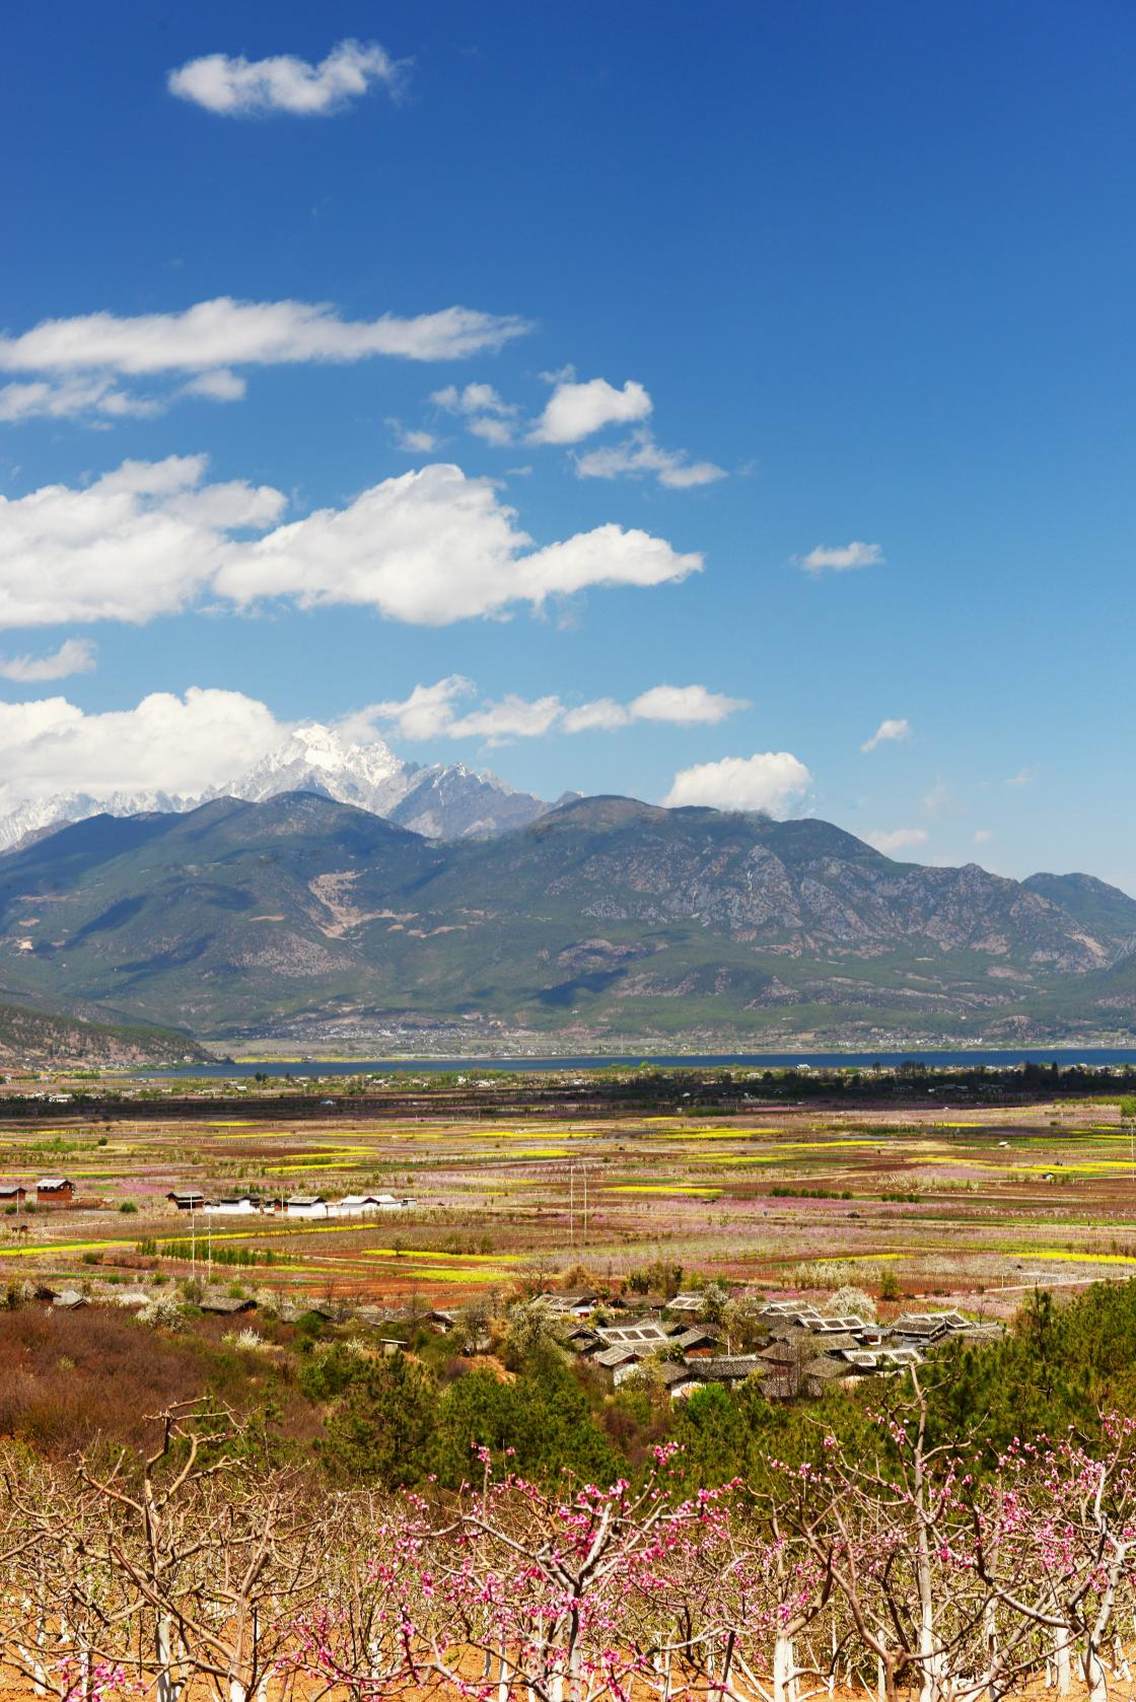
442,801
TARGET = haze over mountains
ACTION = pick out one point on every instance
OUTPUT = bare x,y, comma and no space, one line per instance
442,801
603,918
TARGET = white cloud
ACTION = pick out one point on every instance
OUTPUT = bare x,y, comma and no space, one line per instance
1024,776
487,414
220,385
71,398
223,333
575,411
684,705
983,835
166,743
603,715
471,399
74,656
142,541
512,718
641,454
841,558
431,712
427,713
245,88
770,781
889,731
491,430
898,839
412,441
430,547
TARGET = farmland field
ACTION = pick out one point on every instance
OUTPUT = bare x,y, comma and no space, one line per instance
975,1205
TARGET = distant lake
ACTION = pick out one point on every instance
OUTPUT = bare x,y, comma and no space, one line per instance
1063,1056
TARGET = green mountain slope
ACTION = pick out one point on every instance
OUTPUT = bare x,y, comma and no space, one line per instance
1100,908
43,1037
606,915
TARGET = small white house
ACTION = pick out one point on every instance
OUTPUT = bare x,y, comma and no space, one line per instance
306,1205
366,1205
237,1205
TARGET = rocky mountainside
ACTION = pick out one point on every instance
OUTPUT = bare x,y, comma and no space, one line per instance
1097,906
444,801
605,915
44,1037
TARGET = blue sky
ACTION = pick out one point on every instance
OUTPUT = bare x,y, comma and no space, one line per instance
869,266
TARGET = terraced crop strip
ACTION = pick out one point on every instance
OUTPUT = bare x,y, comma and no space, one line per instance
792,1199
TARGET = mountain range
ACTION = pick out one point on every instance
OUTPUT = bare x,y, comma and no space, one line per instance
602,919
442,801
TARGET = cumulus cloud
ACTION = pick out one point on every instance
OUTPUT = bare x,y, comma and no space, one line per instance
432,712
471,399
487,415
220,385
897,839
890,731
224,333
602,715
770,781
841,558
640,454
681,706
166,743
574,411
144,540
72,398
411,441
74,656
249,88
430,547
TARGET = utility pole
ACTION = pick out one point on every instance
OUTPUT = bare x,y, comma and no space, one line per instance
571,1205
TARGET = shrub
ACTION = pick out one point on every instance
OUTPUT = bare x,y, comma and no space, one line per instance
128,1206
162,1311
855,1301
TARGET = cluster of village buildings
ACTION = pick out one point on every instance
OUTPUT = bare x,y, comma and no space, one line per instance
288,1205
60,1191
802,1351
48,1191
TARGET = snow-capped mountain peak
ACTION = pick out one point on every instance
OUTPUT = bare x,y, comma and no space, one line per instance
446,801
318,758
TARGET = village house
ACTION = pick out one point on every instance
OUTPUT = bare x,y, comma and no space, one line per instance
54,1191
692,1302
12,1194
645,1336
365,1205
306,1205
235,1205
568,1305
186,1199
730,1368
228,1305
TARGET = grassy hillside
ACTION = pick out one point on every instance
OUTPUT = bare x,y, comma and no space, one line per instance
30,1036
